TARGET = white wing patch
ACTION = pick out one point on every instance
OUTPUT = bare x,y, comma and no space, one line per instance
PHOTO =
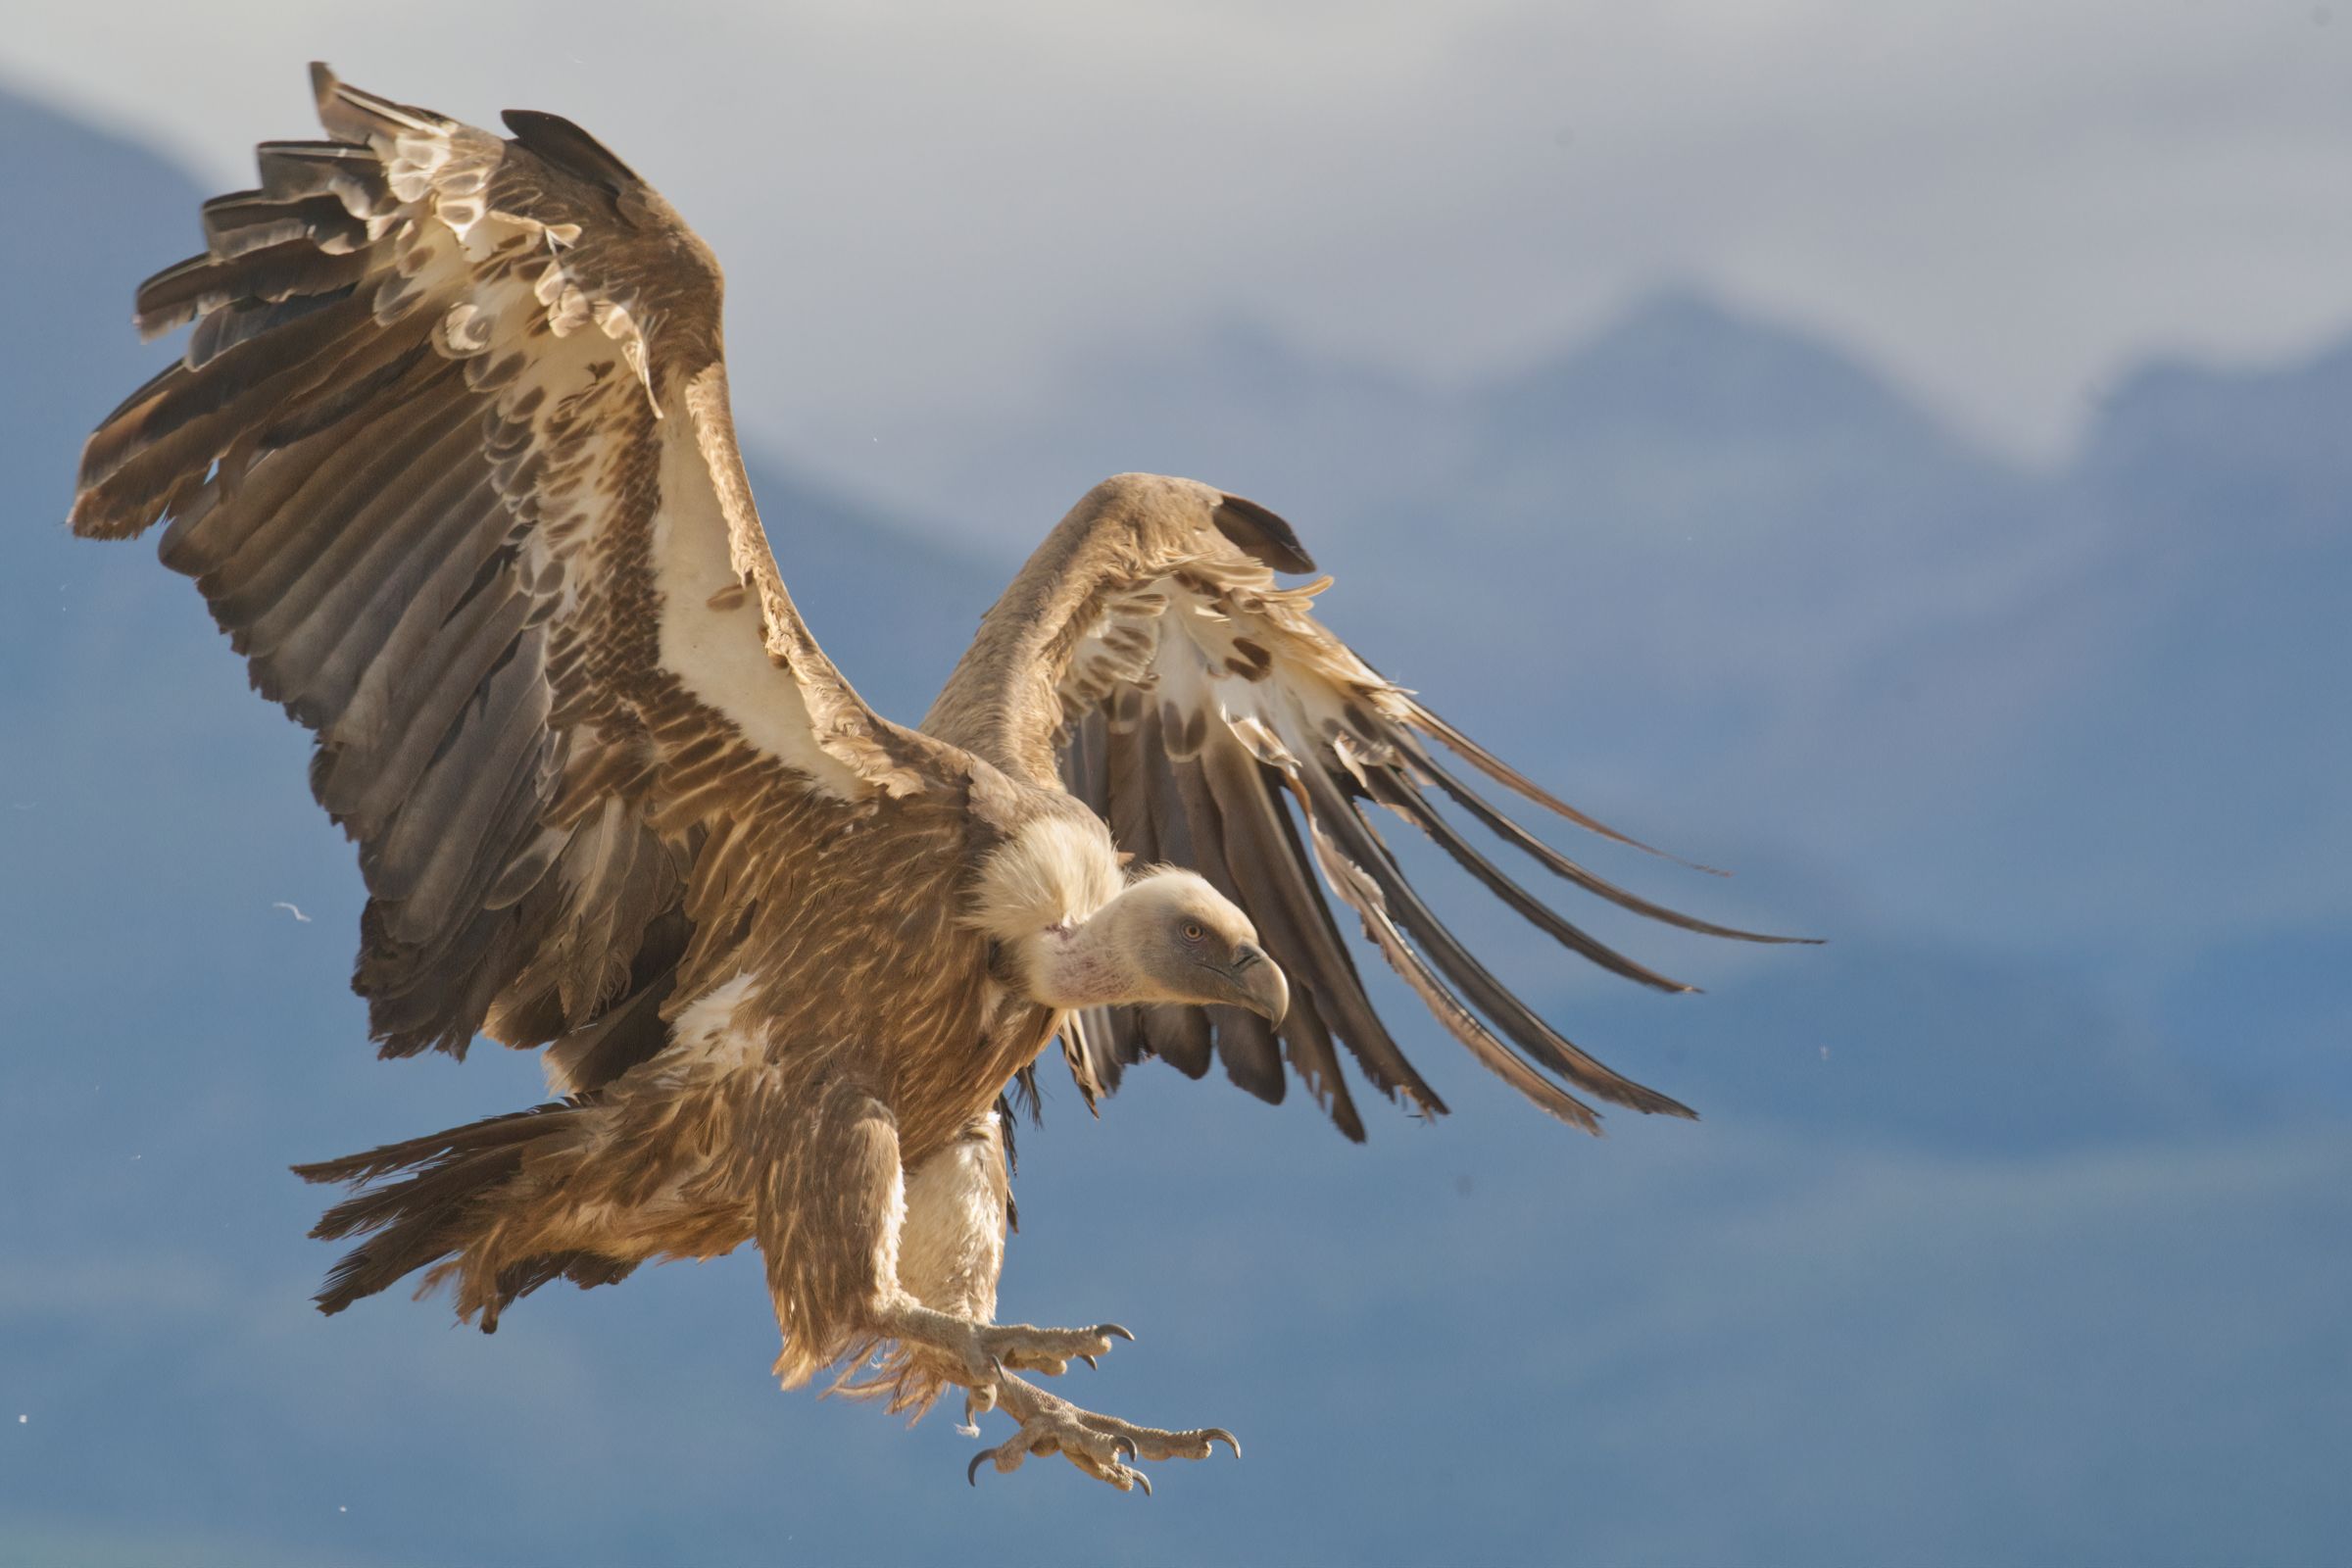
1267,672
506,272
713,627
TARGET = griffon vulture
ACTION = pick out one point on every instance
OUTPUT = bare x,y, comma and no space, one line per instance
448,455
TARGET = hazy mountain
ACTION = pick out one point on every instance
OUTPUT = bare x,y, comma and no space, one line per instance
2006,1236
2196,454
1691,429
73,322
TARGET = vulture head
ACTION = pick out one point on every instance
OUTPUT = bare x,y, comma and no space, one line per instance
1166,937
1190,943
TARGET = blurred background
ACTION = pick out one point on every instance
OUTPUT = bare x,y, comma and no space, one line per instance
1898,453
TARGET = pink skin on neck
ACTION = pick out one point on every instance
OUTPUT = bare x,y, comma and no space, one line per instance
1077,967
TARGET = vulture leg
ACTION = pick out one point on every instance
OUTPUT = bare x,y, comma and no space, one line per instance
831,1215
865,1256
951,1242
951,1248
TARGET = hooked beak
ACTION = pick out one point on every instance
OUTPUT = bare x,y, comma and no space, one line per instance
1259,984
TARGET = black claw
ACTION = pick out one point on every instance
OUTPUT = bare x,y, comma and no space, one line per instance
1116,1443
972,1472
1142,1480
1115,1332
1089,1360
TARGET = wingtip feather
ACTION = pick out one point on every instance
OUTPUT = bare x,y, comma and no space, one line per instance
1501,773
1262,533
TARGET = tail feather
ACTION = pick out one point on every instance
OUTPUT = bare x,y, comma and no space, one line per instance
515,1126
584,1269
400,1250
420,1204
444,1186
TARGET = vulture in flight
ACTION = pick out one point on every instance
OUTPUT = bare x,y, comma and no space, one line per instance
448,455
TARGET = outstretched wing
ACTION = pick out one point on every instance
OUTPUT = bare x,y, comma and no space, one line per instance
1146,656
448,455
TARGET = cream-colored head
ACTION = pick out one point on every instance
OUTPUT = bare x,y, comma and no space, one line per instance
1166,937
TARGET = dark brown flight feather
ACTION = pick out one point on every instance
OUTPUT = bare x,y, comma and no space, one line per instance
1155,668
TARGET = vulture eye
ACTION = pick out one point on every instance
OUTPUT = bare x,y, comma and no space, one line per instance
1193,931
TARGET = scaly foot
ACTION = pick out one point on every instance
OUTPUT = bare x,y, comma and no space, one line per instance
1098,1444
1026,1349
978,1354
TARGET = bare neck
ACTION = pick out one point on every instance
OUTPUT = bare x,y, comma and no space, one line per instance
1080,966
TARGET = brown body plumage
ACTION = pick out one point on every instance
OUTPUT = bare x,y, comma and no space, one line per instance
450,456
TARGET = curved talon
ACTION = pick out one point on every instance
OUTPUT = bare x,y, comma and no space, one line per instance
1090,1360
1142,1480
1114,1329
1122,1441
1215,1434
972,1472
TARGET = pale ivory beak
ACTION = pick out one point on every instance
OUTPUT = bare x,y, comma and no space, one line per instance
1260,985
